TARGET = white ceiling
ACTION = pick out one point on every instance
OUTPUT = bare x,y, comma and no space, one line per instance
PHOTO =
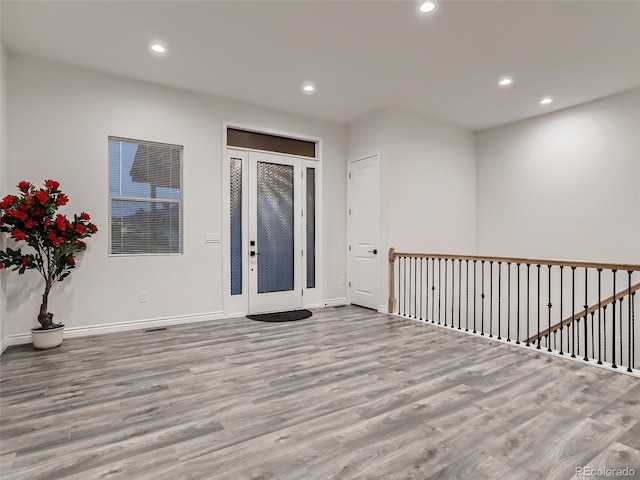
363,55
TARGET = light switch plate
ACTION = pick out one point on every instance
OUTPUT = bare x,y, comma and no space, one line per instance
212,238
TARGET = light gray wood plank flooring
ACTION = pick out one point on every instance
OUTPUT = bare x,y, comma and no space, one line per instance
346,394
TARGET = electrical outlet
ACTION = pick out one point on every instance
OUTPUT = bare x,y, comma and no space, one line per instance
341,280
143,297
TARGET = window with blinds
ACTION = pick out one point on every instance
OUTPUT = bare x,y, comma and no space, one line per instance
145,197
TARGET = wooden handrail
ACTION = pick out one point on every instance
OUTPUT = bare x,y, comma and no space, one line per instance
531,261
583,313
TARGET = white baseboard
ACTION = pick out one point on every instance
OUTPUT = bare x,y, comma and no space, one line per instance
383,309
4,344
335,302
71,332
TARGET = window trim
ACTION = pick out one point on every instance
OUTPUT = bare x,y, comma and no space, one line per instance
179,202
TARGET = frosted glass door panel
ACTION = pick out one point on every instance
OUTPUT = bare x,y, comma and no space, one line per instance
275,227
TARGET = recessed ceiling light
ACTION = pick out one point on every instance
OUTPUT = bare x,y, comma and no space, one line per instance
428,6
546,100
308,88
158,48
505,81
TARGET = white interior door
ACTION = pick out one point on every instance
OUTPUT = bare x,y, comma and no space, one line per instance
364,231
275,247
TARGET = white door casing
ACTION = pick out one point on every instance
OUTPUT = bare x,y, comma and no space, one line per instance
238,300
364,231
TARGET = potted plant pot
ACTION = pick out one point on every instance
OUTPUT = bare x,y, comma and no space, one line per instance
44,338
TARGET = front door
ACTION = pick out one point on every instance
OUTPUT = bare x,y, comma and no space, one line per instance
364,231
275,225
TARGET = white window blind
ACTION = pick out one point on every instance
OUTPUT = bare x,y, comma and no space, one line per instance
145,197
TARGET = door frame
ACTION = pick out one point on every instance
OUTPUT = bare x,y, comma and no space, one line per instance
381,254
238,305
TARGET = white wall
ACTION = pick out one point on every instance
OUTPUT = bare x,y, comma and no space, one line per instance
432,190
3,178
428,183
564,185
60,120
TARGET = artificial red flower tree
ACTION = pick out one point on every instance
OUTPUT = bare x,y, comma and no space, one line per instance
31,217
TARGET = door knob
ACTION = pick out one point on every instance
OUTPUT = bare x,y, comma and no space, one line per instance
374,251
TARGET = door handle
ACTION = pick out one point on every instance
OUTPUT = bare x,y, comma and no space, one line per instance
374,251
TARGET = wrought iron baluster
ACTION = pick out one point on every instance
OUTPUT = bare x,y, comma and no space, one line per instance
439,289
406,286
621,334
593,348
433,290
421,270
499,296
466,327
415,288
453,289
573,312
599,316
561,299
426,278
549,305
475,298
399,291
604,320
459,294
586,309
631,326
490,299
528,303
518,308
508,301
538,307
482,304
613,325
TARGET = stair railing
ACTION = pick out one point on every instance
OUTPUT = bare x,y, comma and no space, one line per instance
579,309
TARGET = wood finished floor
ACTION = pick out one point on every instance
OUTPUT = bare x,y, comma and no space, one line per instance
346,394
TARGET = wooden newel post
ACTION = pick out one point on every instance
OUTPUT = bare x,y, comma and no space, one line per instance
392,287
